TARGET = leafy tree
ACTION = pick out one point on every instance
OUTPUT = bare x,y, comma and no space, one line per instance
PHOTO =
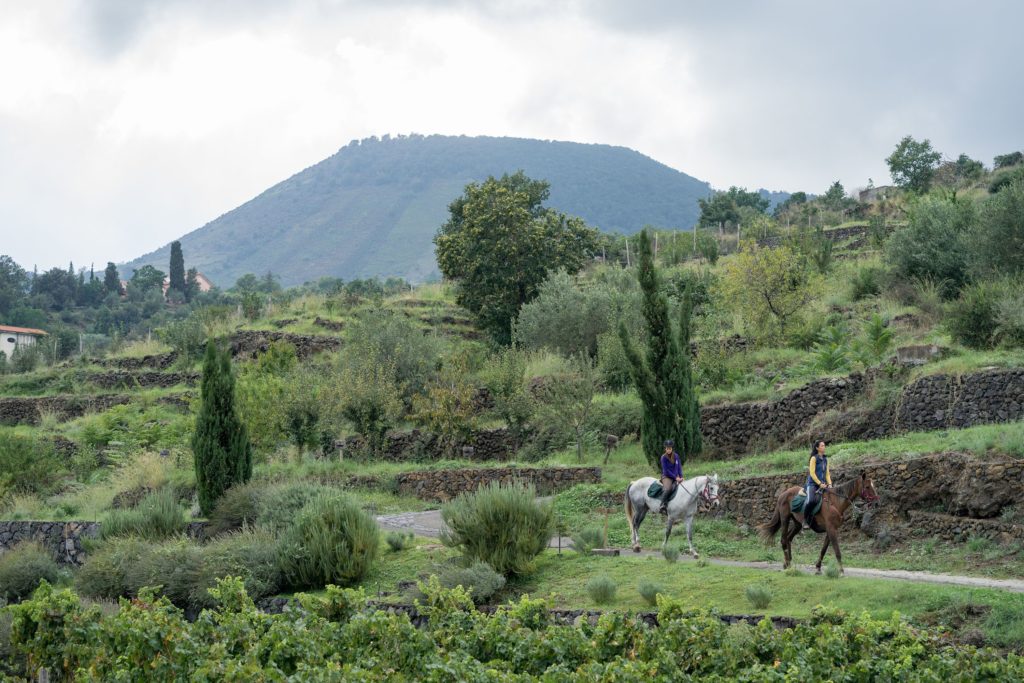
934,244
663,377
968,168
504,375
177,269
448,408
191,284
58,288
144,280
794,200
111,280
912,165
499,244
835,196
567,397
369,398
387,337
1005,160
998,246
768,287
724,207
220,443
13,285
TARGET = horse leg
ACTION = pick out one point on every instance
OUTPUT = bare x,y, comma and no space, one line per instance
668,531
787,539
639,512
834,536
689,535
821,555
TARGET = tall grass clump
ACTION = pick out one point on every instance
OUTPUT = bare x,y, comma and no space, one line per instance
479,578
670,551
157,516
332,542
271,506
503,526
105,573
251,554
649,592
587,540
601,589
398,541
758,596
22,568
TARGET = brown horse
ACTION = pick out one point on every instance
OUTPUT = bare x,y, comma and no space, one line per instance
830,517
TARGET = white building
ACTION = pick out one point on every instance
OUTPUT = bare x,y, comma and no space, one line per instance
13,337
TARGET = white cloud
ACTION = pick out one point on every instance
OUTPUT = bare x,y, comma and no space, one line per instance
126,124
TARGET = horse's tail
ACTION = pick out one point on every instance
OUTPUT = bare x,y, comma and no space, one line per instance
769,529
629,507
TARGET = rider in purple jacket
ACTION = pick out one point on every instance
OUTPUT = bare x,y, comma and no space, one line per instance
671,473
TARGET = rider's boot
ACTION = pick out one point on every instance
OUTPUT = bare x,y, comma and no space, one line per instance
663,510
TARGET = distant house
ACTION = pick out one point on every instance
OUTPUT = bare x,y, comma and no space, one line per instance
874,194
14,337
204,283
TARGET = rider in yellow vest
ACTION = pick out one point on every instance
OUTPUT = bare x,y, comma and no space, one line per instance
818,478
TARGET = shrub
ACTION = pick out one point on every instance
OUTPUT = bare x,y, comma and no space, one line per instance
832,571
398,541
501,525
972,318
1010,318
933,245
588,539
171,565
866,281
235,509
270,506
601,589
22,568
157,516
382,338
758,596
27,464
251,555
105,572
480,579
333,541
670,551
649,591
369,398
617,414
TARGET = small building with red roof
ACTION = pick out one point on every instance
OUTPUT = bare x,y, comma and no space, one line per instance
14,337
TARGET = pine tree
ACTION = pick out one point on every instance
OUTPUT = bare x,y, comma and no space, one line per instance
220,443
111,279
177,271
663,378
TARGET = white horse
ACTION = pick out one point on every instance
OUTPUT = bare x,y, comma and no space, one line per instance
691,491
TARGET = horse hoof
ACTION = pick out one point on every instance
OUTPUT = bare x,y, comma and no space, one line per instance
636,548
818,571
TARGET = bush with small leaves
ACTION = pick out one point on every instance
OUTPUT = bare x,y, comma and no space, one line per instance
670,551
588,539
601,589
22,568
758,596
397,540
157,516
105,572
832,571
649,591
793,571
333,541
250,555
504,526
479,579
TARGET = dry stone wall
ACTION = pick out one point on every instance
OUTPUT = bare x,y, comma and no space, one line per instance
29,410
246,344
443,485
486,445
121,379
62,539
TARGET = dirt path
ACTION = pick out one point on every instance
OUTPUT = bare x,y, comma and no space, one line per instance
429,524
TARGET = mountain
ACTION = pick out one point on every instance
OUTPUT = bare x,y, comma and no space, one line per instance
374,206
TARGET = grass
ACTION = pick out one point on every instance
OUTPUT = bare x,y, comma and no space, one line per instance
141,348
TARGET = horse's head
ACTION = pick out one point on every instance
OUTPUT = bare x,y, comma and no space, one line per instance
867,489
709,494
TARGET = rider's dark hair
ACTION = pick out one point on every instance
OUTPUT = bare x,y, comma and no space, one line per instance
814,446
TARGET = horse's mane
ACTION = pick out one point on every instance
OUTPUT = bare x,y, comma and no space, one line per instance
846,488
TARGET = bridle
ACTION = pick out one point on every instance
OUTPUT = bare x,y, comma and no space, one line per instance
706,497
867,494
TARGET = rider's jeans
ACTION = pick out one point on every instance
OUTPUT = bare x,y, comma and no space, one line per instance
812,493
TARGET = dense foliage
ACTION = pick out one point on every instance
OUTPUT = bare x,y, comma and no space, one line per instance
338,637
332,541
22,568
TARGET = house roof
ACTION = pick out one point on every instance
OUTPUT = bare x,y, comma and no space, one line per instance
21,330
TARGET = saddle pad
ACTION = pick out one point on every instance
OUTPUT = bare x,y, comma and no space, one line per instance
797,505
655,489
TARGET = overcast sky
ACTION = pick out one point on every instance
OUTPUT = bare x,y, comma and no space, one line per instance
127,123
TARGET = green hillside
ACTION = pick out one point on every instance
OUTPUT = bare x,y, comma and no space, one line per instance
374,206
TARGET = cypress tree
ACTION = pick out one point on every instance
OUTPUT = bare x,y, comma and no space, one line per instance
177,271
111,279
663,377
220,443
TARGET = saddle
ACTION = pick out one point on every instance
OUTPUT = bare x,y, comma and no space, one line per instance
797,505
655,489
